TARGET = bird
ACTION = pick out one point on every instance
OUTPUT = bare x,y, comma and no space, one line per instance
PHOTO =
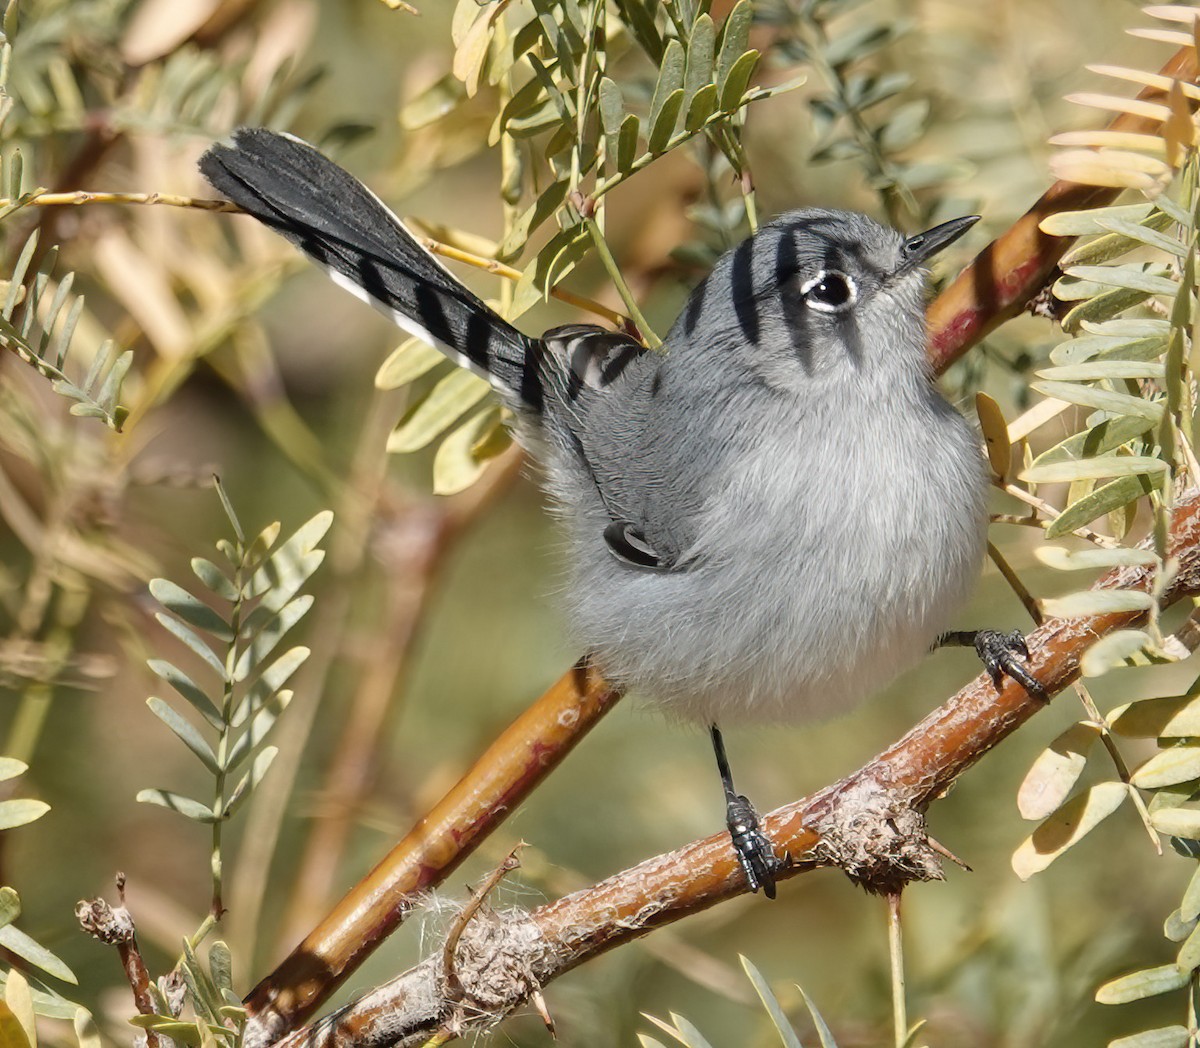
767,519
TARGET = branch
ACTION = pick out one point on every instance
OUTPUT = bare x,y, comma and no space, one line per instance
870,824
995,287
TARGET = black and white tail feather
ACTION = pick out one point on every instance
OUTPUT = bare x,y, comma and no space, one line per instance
347,231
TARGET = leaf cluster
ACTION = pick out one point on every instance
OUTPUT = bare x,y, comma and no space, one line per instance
251,604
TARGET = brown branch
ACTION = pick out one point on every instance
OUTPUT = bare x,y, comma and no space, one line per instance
523,755
992,289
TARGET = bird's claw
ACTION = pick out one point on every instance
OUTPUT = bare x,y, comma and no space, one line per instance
753,848
999,654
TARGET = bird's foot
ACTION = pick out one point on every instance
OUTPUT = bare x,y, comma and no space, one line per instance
1002,655
754,849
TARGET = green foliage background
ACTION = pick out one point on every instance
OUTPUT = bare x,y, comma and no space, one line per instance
250,363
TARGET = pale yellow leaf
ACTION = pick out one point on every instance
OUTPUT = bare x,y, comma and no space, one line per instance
1055,771
1171,766
1171,716
1067,827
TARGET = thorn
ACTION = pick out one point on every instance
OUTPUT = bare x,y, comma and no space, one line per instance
946,853
539,1002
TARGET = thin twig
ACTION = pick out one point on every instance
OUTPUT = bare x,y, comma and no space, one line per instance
114,925
1050,512
454,987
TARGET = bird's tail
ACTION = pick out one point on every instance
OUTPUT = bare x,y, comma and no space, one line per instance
346,230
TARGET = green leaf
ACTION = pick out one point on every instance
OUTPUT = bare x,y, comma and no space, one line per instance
735,39
1163,1037
1189,906
220,964
1086,281
250,781
184,685
16,941
1067,827
21,811
612,109
1101,399
905,126
258,729
1093,468
862,39
824,1034
191,610
186,732
193,810
701,107
263,542
1097,370
1055,771
553,262
1173,765
1103,500
1103,307
410,360
787,1036
627,142
292,564
270,633
1087,223
670,80
457,466
191,640
700,55
1137,986
450,398
10,906
1082,348
214,578
1096,602
662,126
432,104
734,85
1176,928
1063,559
549,201
270,681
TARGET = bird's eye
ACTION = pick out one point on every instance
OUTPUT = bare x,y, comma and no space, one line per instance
830,292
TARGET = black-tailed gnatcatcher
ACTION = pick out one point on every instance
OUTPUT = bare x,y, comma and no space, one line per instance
769,519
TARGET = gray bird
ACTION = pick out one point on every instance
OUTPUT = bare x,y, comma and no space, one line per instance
767,520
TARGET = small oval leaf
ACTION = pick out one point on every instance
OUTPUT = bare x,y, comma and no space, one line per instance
1171,766
1067,827
1136,986
1055,771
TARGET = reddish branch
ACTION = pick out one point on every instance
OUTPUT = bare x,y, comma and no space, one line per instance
870,824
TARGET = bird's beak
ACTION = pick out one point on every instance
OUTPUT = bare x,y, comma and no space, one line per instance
922,247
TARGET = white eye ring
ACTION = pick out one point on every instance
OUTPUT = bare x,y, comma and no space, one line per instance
830,291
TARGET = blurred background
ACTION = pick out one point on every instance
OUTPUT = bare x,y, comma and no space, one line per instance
436,619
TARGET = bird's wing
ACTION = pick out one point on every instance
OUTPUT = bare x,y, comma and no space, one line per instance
590,377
